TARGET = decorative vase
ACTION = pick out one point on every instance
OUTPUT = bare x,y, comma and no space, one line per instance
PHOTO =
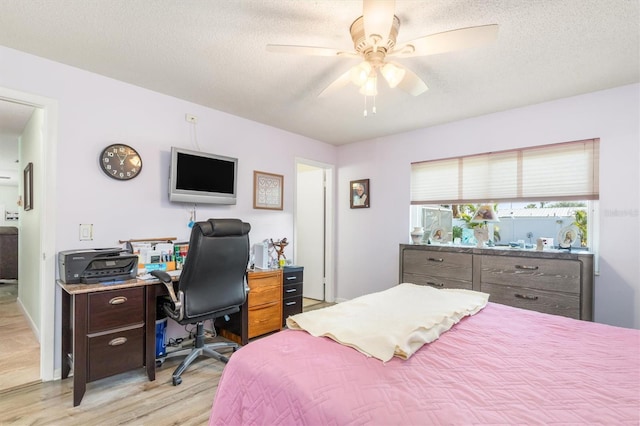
417,234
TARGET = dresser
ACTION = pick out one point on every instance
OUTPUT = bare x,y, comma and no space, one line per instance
555,282
262,311
292,282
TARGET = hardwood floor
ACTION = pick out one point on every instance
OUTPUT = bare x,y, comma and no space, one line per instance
126,399
19,351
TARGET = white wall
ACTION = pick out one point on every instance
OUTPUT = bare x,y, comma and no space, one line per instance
368,238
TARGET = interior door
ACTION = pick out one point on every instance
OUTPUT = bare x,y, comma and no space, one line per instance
310,229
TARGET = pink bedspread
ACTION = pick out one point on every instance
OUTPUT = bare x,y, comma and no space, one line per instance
502,366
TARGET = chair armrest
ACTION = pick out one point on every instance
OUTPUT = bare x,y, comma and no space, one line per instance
166,280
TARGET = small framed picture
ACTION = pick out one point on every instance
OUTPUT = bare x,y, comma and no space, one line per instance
28,187
360,194
267,191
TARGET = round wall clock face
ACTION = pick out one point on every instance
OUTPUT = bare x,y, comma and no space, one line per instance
120,162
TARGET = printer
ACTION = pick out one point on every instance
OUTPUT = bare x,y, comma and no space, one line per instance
91,266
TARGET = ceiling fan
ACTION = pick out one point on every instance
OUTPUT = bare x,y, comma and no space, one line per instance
374,40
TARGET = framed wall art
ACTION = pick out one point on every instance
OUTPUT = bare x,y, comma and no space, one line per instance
267,191
360,194
28,187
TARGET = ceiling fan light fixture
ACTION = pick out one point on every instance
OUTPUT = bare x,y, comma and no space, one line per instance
370,87
360,73
392,74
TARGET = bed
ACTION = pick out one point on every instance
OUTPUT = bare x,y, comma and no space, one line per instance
502,365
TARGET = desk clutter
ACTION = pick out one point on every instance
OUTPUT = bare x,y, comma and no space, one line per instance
158,254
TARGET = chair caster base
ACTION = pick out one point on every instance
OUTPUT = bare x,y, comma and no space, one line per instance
177,381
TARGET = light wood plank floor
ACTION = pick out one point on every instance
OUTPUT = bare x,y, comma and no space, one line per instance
19,351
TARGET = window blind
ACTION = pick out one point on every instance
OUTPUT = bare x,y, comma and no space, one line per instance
565,171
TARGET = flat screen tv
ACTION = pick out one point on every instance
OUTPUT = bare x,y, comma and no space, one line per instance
200,177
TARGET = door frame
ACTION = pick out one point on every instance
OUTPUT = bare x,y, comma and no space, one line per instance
329,249
46,260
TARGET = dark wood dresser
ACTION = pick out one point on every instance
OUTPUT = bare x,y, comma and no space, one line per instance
555,282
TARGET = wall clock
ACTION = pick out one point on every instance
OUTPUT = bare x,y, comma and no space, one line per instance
121,162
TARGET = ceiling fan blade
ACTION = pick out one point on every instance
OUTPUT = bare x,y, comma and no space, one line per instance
309,50
337,84
411,83
447,41
378,19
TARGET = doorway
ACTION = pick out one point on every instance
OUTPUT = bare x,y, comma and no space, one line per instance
313,229
36,258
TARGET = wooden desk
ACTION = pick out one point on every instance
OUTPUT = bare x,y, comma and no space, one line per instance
108,329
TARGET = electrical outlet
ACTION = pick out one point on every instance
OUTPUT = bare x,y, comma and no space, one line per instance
191,118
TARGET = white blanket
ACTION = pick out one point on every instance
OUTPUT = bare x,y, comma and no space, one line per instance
397,321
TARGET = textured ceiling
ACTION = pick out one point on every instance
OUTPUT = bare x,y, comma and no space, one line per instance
213,53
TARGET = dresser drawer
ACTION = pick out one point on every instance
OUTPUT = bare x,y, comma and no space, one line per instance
456,266
556,303
292,276
438,282
114,353
115,308
532,273
291,290
290,307
265,319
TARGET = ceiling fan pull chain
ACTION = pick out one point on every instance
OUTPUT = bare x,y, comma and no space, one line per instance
365,106
373,110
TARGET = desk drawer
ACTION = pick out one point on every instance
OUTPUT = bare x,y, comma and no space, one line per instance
115,353
264,294
115,308
292,290
293,276
291,306
265,319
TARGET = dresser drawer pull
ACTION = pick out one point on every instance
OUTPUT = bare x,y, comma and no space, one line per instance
118,341
290,303
118,300
531,268
291,278
435,259
526,297
435,284
291,290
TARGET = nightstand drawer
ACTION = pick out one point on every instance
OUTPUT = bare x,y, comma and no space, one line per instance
115,309
115,352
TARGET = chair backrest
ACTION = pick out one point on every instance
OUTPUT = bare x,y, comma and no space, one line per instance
213,277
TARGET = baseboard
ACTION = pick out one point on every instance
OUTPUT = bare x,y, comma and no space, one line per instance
32,325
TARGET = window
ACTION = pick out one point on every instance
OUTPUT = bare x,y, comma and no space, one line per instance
519,183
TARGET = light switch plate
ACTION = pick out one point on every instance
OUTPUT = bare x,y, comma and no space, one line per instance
86,232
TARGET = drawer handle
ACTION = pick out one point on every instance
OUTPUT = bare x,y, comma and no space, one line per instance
530,268
435,284
525,297
118,300
291,278
118,341
291,290
290,303
435,259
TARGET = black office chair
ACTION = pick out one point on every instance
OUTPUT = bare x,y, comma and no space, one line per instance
213,283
